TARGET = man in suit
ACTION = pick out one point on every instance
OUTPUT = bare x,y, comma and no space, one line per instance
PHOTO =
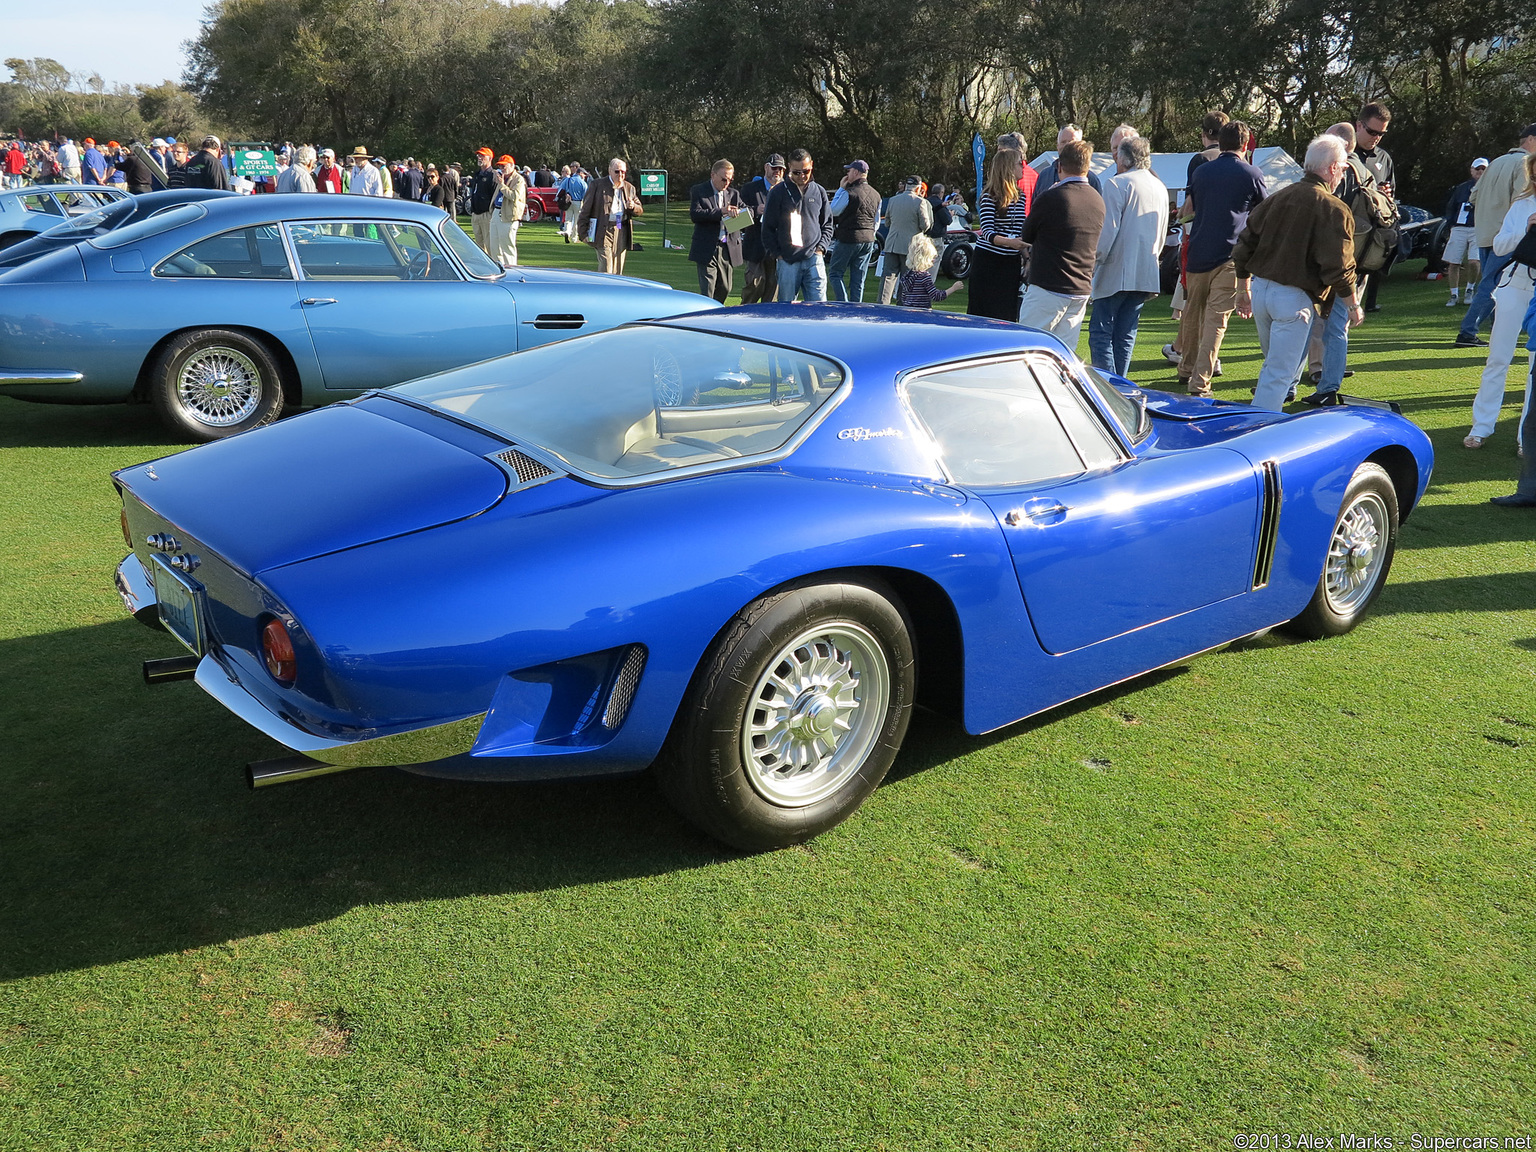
604,220
762,279
715,251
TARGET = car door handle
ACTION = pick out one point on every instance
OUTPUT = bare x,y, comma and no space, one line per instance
318,300
1039,508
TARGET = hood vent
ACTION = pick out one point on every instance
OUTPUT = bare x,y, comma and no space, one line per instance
527,470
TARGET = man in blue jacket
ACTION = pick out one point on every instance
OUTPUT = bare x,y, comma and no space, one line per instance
797,231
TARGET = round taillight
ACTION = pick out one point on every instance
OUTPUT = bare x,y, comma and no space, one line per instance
277,650
123,520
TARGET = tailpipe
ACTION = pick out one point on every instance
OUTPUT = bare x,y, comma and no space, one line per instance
173,668
264,773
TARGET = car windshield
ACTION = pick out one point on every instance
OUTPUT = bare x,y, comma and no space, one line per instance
153,226
102,219
642,401
476,262
1132,416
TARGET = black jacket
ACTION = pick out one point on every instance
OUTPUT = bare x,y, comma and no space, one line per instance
704,211
857,222
1063,227
204,170
482,190
814,207
755,197
942,217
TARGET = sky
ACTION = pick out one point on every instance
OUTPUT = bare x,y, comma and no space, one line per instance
126,41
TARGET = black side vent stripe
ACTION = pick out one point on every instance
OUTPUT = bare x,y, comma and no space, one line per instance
1269,525
524,467
623,694
559,320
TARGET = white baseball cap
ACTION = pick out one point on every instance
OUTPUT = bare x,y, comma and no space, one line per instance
1480,162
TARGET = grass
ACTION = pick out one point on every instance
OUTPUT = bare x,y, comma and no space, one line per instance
1284,888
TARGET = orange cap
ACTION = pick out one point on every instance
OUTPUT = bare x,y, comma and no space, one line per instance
484,152
113,144
505,160
88,140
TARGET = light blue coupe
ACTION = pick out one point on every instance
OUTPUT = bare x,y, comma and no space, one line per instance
221,313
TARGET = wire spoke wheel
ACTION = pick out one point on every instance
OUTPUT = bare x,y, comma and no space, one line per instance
815,713
219,386
1356,554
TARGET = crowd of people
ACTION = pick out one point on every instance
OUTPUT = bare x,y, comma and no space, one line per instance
1051,248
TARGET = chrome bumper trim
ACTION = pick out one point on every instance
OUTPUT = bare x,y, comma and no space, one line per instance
39,376
420,746
138,593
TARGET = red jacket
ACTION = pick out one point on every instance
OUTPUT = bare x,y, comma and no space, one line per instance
1027,187
328,179
15,162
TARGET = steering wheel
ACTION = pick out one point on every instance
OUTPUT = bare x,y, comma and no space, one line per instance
418,264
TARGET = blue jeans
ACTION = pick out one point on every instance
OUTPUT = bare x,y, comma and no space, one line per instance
849,262
1482,303
1283,316
1112,330
806,277
1335,336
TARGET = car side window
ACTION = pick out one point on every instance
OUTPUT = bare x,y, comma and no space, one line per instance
992,424
1093,440
43,204
369,250
244,254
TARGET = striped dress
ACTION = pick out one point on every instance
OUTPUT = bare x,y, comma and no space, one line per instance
997,273
995,222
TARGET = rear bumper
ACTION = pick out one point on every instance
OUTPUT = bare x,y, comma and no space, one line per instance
138,593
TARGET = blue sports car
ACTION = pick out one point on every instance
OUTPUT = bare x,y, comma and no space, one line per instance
221,312
24,212
741,545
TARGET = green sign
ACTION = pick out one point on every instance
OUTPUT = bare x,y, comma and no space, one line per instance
653,183
253,160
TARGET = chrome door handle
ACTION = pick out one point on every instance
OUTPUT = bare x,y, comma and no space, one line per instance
1035,510
318,300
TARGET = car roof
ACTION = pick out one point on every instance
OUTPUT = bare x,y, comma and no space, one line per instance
228,212
872,337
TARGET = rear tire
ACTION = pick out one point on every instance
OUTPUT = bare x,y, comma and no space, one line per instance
956,261
534,212
794,716
1359,557
213,382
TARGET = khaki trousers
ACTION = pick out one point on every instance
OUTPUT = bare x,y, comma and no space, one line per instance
1209,300
610,256
481,222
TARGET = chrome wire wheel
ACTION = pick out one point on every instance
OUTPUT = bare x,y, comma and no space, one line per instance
815,713
219,386
1357,553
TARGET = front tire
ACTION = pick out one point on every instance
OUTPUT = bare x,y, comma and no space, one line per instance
956,261
213,383
1359,556
794,716
534,212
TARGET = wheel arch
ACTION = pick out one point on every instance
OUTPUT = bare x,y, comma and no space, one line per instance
1399,464
293,391
936,635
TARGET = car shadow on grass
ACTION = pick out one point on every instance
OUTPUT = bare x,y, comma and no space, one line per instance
27,424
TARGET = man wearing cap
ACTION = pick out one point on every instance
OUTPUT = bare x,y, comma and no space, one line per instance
482,198
1462,242
328,176
381,166
1491,197
365,177
206,169
909,215
507,211
605,218
93,165
715,251
761,282
138,174
855,216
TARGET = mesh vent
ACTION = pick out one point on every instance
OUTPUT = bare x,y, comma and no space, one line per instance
623,694
527,468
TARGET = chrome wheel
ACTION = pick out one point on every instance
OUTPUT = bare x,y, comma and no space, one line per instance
1357,553
219,386
815,714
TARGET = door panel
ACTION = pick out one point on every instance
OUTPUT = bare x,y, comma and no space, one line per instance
1105,553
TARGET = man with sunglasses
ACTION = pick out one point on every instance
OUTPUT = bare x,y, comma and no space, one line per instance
1370,127
797,231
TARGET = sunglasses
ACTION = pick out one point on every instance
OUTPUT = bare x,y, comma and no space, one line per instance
1373,133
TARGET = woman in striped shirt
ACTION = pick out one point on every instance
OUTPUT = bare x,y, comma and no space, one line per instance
997,272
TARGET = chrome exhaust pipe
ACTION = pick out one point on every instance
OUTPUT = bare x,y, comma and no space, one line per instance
264,773
172,668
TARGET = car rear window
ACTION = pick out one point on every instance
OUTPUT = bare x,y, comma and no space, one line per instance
153,226
645,400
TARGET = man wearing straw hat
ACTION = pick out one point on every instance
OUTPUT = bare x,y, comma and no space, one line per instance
365,177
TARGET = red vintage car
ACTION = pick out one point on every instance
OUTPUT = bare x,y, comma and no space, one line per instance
542,204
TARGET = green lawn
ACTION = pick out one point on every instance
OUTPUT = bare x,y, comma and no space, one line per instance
1286,888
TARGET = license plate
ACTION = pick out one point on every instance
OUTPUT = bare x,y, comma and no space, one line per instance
181,606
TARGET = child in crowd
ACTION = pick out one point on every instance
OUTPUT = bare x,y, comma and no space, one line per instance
917,287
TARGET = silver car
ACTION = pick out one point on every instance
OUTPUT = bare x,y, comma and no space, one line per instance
24,212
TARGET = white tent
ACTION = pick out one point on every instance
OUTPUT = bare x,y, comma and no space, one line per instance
1171,168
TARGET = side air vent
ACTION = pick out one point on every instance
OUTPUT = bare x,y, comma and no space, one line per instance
524,467
624,685
1269,525
559,321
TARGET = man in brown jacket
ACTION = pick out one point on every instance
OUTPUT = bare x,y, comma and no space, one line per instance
604,220
1299,248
